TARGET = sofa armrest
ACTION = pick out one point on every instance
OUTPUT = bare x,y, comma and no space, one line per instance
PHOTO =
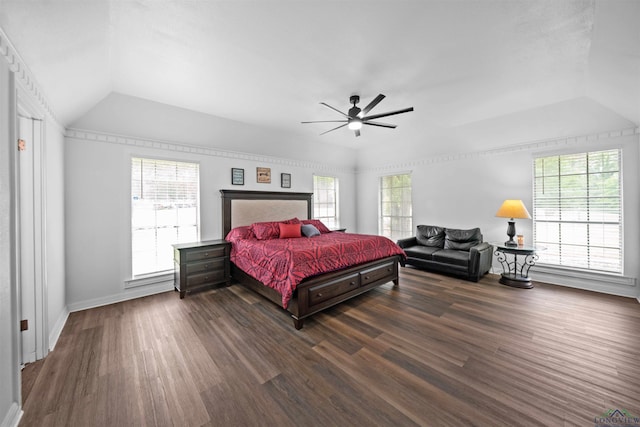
480,257
408,242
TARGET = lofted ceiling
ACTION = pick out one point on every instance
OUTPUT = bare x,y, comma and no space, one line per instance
269,63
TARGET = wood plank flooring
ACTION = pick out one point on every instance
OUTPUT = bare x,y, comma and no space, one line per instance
434,351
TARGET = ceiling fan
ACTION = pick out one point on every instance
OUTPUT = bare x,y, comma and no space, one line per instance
357,117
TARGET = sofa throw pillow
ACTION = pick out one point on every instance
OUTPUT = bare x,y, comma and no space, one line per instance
289,231
462,240
309,230
429,235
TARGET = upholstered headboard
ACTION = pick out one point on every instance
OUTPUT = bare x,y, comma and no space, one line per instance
246,207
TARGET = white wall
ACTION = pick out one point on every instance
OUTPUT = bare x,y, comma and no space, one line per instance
135,117
466,190
97,185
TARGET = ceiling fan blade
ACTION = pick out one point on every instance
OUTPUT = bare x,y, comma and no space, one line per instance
383,125
372,104
341,126
334,109
390,113
357,132
326,121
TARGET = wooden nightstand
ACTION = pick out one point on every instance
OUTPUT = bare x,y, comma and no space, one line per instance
200,265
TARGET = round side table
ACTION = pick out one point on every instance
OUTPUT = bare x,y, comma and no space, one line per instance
516,262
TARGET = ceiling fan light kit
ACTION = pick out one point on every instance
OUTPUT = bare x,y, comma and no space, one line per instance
358,117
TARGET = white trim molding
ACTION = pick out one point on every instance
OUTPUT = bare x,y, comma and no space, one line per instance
56,330
588,280
152,279
139,292
527,146
93,136
12,419
23,75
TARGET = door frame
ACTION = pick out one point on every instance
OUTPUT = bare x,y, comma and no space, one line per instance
26,109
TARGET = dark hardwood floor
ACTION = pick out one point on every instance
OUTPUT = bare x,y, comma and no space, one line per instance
435,351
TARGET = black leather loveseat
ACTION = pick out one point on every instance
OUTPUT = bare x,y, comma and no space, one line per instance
448,250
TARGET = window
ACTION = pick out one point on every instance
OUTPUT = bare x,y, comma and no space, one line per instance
395,207
164,211
325,200
578,210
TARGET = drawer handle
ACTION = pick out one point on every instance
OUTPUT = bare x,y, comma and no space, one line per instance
389,269
319,295
206,254
366,277
353,283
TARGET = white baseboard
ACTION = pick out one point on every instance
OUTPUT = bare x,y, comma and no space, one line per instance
588,280
137,292
54,335
13,416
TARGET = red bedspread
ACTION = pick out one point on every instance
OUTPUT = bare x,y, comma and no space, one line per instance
282,264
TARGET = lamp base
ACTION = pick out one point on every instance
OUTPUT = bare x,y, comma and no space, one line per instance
511,231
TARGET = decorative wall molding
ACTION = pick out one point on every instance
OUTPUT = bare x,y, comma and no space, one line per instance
24,76
93,136
527,146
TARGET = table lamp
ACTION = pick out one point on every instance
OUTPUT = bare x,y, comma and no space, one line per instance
512,209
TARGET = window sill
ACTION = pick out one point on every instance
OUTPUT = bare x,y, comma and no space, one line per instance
149,279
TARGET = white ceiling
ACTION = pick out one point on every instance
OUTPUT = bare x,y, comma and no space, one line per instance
270,63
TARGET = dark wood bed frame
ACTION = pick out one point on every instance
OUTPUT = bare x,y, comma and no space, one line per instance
316,293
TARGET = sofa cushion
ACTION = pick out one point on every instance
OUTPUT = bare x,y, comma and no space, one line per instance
429,235
422,252
462,240
452,257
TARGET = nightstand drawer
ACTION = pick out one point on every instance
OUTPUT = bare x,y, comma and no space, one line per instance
206,253
207,265
216,276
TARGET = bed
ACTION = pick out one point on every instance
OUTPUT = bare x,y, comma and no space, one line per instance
312,294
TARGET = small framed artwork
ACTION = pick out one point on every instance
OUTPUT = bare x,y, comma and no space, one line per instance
263,175
237,176
285,180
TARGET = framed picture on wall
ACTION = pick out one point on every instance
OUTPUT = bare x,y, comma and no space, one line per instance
285,180
237,176
263,175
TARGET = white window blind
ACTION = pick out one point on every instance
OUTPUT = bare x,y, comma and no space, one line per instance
325,200
578,210
395,220
164,211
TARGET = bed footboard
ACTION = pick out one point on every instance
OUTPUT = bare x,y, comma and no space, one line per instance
320,292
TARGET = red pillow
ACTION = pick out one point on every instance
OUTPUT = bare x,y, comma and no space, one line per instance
240,233
269,230
317,224
288,231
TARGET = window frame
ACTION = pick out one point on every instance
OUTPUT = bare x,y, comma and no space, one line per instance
332,222
136,274
593,261
401,232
